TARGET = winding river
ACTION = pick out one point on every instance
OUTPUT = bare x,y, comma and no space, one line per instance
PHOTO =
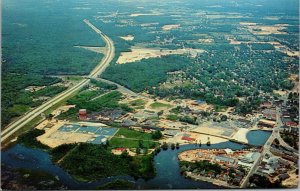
166,164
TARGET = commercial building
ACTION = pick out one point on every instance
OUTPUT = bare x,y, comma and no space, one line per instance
225,160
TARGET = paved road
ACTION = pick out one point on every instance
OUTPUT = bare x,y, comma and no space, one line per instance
19,123
266,148
277,134
121,88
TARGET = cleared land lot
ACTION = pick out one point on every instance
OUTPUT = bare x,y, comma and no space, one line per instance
128,37
139,53
170,27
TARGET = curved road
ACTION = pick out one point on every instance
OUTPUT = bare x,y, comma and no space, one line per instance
121,88
108,57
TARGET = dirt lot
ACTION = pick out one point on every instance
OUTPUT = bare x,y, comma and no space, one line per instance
127,38
264,30
53,137
143,14
170,27
192,105
138,53
292,181
198,138
294,77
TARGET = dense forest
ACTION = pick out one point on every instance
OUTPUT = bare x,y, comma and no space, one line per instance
95,162
42,40
147,73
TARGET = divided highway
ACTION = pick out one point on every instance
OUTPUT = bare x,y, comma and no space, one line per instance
21,122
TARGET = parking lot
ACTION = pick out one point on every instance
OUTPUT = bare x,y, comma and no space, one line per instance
73,133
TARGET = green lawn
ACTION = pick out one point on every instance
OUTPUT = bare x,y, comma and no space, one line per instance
156,105
19,109
138,103
128,143
120,139
172,117
128,133
219,108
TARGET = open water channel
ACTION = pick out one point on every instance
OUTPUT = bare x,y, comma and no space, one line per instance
166,163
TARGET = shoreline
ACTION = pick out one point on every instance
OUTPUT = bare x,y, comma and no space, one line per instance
216,182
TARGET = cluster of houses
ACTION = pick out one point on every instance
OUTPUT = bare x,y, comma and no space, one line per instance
284,153
274,167
269,115
290,114
235,164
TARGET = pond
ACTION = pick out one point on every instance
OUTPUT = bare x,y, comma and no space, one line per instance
258,137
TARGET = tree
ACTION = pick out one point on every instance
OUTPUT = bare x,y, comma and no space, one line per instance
141,144
157,134
208,141
224,118
138,151
165,146
125,154
172,146
157,150
160,113
50,116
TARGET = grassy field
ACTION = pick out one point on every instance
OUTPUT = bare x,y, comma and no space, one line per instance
137,104
156,105
129,143
172,117
219,108
130,139
128,133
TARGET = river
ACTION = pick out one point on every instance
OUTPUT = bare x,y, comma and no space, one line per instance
166,164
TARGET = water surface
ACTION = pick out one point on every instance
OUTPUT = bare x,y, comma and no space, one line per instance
166,163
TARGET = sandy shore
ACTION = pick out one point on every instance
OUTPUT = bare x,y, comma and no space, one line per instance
241,135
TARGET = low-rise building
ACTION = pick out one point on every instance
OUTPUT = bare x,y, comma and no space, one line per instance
225,160
250,157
